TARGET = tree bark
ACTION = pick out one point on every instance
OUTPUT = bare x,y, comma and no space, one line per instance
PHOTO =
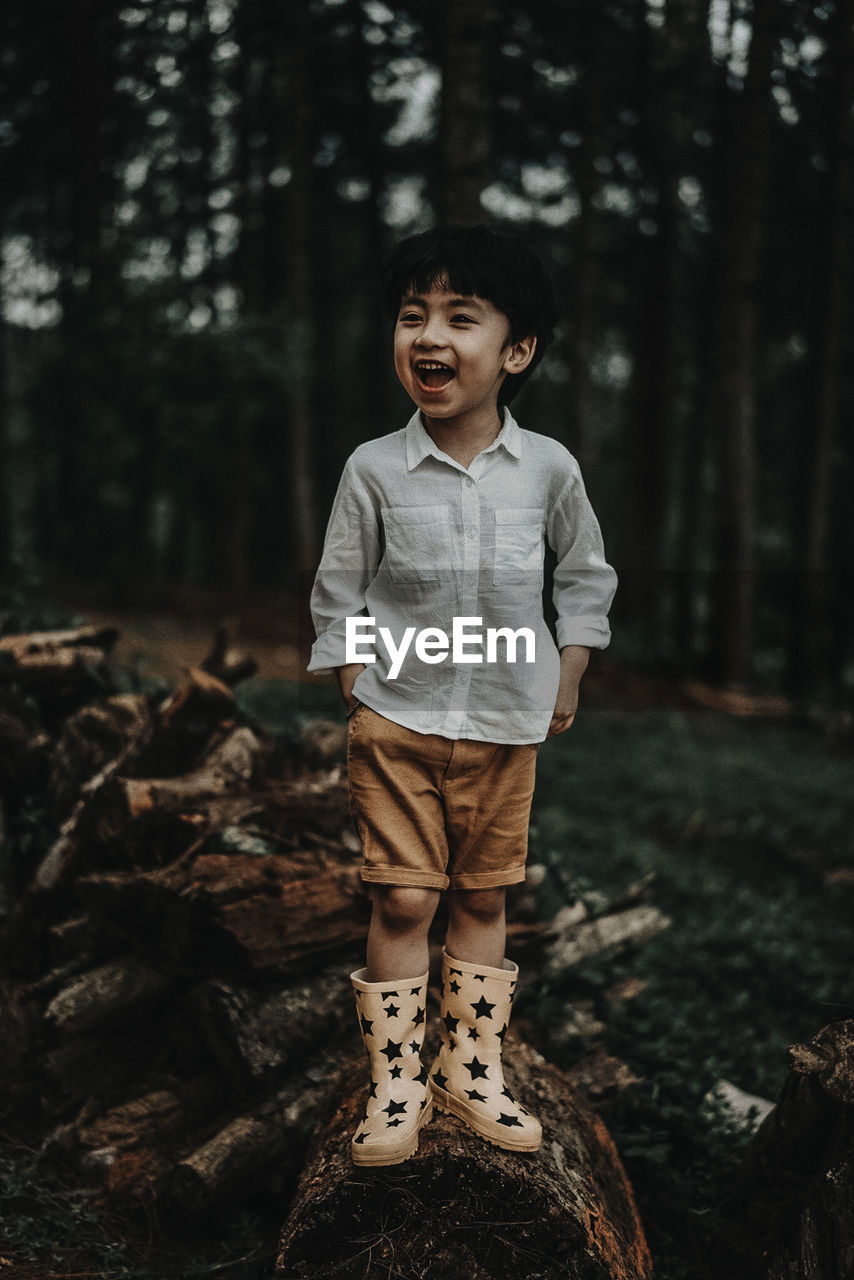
800,1172
462,1207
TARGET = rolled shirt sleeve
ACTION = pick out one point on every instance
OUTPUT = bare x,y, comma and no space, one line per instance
584,582
351,554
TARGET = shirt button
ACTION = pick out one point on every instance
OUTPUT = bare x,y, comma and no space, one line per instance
469,481
471,533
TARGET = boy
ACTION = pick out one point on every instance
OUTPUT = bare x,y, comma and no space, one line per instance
435,531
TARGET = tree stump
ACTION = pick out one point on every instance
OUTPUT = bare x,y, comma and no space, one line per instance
800,1172
462,1207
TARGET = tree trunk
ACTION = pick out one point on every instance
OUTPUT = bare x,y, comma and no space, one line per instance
300,352
469,29
463,1207
585,313
737,348
811,645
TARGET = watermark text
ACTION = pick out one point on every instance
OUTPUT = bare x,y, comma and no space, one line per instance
433,645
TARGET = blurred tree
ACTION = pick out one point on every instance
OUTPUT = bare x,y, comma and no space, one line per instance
469,31
812,647
738,320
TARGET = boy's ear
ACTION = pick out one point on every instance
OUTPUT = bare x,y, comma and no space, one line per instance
519,355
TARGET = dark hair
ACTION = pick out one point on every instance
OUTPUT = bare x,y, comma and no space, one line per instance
479,262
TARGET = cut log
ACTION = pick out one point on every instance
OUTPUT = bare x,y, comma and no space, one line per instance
64,856
231,764
462,1207
112,991
47,653
274,1134
202,697
799,1174
605,936
150,1118
235,913
256,1037
90,739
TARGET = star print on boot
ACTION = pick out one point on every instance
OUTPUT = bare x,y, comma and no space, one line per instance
467,1079
391,1019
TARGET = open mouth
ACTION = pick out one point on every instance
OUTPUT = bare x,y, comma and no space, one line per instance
433,375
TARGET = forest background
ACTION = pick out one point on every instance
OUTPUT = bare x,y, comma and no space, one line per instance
196,198
197,195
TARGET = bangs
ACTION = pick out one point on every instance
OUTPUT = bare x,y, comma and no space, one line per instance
451,277
472,268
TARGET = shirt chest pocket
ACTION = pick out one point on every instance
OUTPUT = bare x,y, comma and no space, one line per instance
519,545
417,543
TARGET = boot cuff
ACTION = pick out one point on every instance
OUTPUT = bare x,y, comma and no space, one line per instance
358,980
509,974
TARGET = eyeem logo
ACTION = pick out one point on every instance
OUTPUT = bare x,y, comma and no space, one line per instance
433,645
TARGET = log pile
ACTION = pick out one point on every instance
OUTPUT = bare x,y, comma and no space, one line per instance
174,973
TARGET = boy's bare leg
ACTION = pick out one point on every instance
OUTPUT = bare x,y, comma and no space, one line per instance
397,937
477,929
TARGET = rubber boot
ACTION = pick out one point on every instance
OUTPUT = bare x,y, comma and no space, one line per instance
391,1019
467,1079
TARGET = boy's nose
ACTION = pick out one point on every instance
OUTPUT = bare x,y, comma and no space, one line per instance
431,335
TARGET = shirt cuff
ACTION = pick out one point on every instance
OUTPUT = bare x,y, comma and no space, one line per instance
327,653
593,632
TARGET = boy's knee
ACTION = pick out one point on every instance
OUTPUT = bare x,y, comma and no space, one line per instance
404,907
483,904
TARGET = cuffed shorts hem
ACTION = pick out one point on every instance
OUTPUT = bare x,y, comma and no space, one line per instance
488,879
404,878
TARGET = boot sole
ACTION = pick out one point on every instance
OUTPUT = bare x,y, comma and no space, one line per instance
390,1154
488,1129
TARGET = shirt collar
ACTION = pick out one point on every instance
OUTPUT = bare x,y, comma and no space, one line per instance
419,444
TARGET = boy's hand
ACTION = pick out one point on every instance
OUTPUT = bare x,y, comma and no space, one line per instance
346,679
573,664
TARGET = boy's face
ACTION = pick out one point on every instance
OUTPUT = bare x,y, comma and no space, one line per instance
452,354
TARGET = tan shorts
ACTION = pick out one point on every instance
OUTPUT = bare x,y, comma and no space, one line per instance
438,812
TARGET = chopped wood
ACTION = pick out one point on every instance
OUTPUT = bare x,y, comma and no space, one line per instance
605,936
237,911
150,1117
33,644
202,695
65,855
253,1036
90,739
113,990
232,763
240,1155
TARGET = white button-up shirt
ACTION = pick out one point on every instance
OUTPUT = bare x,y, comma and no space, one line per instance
416,540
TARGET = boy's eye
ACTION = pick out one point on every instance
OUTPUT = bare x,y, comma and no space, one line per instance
407,317
463,319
